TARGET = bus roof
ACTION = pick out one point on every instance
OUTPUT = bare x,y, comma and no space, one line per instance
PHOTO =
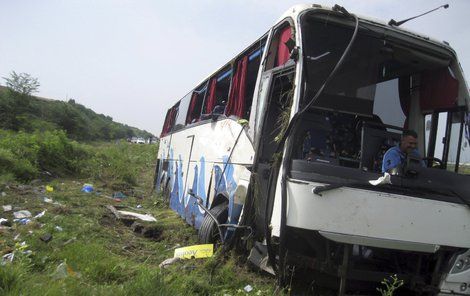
294,11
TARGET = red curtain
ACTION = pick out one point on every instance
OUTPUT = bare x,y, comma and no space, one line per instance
438,90
210,103
165,124
192,104
282,50
236,102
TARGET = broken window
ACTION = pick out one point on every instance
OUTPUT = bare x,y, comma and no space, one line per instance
244,81
217,97
170,120
183,107
197,101
279,49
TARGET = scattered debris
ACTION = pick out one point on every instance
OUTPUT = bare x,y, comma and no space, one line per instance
40,214
3,194
8,258
22,221
49,188
63,270
248,288
119,195
139,206
17,237
7,208
196,251
87,188
46,199
146,217
22,214
168,262
46,237
70,241
58,228
5,222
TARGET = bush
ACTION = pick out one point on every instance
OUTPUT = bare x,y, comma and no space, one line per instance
26,154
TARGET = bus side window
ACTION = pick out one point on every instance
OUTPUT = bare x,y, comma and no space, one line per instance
254,61
217,96
279,52
243,83
197,101
180,120
166,123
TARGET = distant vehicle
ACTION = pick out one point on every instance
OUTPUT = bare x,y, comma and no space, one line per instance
137,140
284,172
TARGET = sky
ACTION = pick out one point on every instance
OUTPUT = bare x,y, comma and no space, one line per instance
132,60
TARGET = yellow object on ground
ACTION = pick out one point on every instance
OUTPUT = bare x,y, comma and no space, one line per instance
49,188
196,251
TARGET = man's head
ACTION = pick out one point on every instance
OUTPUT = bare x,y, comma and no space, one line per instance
409,141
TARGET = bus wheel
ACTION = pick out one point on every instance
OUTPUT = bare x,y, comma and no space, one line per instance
208,233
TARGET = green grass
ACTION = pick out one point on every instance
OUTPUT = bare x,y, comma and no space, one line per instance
104,256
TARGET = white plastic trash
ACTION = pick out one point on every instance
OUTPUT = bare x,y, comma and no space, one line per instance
22,214
40,214
248,288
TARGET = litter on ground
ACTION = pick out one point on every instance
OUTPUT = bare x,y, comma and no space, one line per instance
146,217
168,262
22,214
7,208
49,188
196,251
119,195
87,188
63,270
40,214
4,222
48,200
22,221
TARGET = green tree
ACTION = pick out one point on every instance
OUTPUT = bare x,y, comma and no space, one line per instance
23,83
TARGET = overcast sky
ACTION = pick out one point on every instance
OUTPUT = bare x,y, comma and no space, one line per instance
133,59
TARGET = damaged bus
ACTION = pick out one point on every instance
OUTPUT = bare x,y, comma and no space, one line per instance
274,153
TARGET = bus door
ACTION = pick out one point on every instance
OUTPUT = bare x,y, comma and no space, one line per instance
276,115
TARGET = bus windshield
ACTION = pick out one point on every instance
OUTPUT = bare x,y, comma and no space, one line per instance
385,86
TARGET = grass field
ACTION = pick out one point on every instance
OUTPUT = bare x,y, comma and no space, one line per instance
92,253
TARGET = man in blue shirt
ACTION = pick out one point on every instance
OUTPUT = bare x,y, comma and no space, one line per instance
396,156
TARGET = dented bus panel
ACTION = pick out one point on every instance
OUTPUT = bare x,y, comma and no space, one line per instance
277,149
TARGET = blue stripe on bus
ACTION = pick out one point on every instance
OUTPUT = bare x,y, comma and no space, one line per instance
224,75
255,54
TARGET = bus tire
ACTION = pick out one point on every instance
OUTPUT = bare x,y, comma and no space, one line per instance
208,232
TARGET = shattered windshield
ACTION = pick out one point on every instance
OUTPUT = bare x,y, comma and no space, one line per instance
385,86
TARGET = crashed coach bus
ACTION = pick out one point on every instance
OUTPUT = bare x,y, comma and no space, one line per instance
274,152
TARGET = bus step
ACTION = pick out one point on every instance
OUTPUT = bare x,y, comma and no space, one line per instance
259,257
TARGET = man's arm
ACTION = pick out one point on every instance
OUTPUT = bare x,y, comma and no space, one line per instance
391,160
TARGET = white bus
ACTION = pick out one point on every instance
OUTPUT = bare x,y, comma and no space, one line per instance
274,152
